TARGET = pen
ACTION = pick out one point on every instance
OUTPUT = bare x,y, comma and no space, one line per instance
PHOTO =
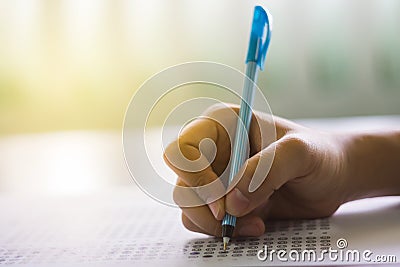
259,40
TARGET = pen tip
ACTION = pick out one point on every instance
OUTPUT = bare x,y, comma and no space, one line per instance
226,241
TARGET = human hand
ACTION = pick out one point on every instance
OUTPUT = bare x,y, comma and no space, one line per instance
309,176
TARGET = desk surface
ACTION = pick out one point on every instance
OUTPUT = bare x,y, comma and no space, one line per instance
124,227
58,188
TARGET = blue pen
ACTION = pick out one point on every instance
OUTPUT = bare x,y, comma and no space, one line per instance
259,40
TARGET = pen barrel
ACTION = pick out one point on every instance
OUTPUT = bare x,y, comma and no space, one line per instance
240,146
259,41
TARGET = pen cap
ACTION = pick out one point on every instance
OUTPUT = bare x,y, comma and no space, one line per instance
260,36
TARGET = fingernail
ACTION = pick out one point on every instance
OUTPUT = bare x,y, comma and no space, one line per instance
249,230
238,201
214,207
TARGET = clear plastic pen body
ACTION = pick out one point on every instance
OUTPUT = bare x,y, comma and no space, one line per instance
240,146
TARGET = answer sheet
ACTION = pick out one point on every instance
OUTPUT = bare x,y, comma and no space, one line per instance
127,228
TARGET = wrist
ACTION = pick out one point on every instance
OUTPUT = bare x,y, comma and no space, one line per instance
373,165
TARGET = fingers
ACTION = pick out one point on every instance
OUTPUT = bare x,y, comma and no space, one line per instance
190,225
195,158
190,157
292,157
249,225
186,197
203,219
211,194
184,156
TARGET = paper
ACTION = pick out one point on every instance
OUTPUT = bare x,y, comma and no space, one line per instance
122,229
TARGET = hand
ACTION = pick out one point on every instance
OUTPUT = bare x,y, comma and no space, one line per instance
310,176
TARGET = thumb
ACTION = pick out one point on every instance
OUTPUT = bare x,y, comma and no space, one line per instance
266,172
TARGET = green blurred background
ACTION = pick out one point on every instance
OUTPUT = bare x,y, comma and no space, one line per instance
74,64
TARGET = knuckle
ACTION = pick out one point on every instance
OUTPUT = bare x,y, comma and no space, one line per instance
297,144
222,110
218,107
302,150
177,157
